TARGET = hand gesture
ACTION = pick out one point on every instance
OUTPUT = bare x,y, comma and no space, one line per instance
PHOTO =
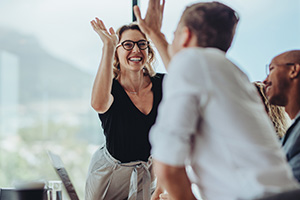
153,19
108,38
164,196
161,196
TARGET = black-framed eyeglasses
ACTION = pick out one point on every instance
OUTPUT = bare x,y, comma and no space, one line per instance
268,67
129,44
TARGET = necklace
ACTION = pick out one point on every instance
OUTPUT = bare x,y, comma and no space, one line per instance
131,92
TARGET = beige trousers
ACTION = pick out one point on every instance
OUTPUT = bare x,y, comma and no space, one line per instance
109,179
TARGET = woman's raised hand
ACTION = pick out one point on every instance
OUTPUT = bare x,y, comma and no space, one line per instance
153,20
107,37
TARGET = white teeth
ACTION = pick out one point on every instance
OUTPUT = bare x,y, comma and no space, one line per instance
135,59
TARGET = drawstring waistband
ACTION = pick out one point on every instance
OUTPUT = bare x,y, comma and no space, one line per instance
133,189
134,183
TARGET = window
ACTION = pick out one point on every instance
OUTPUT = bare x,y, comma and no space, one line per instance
266,29
49,56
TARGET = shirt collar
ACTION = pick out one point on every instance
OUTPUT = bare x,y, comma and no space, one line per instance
298,115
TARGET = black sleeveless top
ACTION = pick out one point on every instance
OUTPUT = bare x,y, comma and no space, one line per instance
126,128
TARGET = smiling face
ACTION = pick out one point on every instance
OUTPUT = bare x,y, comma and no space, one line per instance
278,81
134,59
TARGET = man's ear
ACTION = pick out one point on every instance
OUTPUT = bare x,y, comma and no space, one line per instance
186,37
295,71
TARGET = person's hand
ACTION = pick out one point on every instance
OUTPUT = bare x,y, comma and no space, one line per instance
160,194
155,195
157,192
164,196
107,37
153,19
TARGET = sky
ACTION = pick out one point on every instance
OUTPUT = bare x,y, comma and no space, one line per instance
266,28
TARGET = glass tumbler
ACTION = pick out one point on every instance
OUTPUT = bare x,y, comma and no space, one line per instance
54,190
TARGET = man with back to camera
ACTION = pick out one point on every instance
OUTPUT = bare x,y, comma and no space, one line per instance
283,89
211,117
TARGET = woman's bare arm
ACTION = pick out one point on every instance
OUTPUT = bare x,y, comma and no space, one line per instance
101,98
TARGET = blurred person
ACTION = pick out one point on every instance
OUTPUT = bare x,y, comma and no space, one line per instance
126,94
283,89
277,114
210,113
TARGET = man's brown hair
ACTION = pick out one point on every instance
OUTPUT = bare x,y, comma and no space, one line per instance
213,23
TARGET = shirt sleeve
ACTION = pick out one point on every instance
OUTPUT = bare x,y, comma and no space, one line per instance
180,111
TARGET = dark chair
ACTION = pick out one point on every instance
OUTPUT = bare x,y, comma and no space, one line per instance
8,194
13,194
289,195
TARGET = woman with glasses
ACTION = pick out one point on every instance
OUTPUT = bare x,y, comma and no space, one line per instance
126,94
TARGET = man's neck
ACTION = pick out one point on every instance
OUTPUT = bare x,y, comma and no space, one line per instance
297,116
293,109
293,106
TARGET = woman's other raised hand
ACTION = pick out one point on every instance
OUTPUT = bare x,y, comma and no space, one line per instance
107,37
